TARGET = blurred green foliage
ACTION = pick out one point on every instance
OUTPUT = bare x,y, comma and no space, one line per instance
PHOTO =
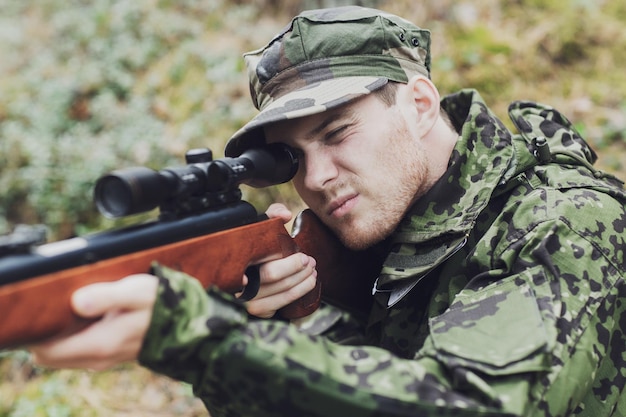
86,87
91,86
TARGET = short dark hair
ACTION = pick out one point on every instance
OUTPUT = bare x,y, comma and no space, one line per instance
387,94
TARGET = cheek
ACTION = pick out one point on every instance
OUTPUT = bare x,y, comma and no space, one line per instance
298,184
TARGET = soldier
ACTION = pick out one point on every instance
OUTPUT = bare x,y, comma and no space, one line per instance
501,290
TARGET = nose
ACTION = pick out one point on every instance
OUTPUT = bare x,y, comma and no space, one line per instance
319,169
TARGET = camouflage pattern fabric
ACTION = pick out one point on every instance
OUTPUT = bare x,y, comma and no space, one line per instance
504,294
317,63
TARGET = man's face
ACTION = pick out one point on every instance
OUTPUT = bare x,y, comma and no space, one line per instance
361,167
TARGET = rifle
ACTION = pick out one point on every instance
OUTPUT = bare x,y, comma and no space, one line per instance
204,229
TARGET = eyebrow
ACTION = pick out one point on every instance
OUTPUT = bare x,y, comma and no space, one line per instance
333,117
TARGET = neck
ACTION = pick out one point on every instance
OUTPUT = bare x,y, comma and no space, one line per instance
440,143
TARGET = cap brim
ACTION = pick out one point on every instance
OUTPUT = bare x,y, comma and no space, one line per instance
309,100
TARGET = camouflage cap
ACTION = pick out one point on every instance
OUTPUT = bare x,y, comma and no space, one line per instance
325,58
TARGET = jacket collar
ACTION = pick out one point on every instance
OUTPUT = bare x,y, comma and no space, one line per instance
477,165
485,159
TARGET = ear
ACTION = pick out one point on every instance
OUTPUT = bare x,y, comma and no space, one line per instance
421,100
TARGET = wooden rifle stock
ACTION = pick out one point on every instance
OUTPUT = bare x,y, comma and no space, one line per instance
38,308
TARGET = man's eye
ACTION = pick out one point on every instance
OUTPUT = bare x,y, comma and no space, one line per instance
336,135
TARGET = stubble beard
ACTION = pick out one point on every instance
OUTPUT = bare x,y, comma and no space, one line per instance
408,166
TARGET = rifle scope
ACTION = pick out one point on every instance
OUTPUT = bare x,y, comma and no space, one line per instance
139,189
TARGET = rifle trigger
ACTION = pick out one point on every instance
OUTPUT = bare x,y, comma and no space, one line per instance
254,283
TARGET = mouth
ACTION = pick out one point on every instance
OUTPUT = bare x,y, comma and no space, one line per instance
341,206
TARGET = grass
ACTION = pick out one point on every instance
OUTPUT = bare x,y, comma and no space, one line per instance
125,391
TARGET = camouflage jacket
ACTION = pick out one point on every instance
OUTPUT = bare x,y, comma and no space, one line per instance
502,295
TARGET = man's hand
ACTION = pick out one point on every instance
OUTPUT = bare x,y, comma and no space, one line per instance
283,280
124,309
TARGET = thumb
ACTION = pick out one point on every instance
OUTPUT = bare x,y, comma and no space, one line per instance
279,210
131,293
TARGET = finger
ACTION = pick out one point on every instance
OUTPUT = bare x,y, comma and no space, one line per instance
244,282
88,349
266,307
124,308
280,211
283,281
114,339
278,269
278,277
130,293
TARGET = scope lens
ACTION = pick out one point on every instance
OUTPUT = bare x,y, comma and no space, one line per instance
113,196
130,191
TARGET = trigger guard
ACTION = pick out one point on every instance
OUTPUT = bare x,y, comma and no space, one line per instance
254,283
